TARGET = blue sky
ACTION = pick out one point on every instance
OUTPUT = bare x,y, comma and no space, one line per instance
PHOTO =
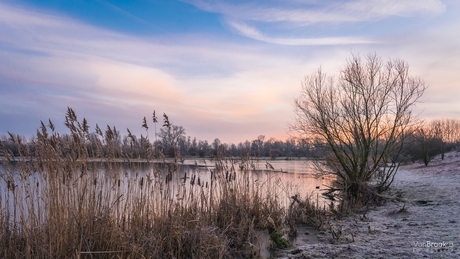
226,69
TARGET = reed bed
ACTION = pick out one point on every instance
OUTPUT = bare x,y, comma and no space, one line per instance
65,200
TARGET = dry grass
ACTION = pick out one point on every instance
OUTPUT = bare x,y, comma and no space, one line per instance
58,202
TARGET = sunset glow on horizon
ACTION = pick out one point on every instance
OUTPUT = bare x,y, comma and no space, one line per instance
221,69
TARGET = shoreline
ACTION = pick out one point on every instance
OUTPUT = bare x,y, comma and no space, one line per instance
425,224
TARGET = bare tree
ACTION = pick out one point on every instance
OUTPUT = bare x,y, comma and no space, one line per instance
170,137
361,116
448,130
427,143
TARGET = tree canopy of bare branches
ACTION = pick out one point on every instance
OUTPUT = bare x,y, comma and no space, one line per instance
426,143
361,115
171,136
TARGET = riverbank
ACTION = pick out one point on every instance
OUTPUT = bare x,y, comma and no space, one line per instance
423,223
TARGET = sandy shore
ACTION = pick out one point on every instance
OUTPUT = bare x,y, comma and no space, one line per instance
426,225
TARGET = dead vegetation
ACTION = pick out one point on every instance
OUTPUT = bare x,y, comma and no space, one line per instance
65,200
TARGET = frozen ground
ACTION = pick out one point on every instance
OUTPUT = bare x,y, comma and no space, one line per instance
426,225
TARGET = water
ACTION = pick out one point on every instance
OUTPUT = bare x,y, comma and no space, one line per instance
120,184
297,176
291,176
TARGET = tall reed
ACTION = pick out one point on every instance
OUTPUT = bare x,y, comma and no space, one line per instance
65,200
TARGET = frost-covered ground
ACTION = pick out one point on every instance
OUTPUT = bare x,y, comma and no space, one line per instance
426,225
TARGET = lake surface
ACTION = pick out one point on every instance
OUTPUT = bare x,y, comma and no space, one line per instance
292,176
297,176
123,184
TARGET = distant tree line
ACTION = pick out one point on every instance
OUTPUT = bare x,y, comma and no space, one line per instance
135,146
422,143
432,138
171,140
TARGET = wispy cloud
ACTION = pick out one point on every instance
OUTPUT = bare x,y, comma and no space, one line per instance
129,15
375,9
320,11
254,33
295,14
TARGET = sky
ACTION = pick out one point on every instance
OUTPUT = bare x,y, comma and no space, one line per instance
226,69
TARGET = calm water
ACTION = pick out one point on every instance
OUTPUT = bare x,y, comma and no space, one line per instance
293,176
298,175
288,177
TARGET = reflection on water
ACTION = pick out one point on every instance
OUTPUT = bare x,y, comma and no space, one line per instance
295,176
119,184
292,176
